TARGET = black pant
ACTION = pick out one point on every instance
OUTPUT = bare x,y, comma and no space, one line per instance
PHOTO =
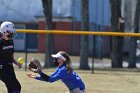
7,75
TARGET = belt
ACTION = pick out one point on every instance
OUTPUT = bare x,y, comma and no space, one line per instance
6,64
82,89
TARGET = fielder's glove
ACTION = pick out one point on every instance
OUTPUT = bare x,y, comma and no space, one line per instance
35,65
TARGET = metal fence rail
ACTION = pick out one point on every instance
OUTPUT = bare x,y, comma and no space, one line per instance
80,32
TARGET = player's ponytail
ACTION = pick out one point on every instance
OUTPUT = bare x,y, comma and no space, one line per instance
68,61
68,65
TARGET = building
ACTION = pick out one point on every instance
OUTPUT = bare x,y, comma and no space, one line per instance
66,16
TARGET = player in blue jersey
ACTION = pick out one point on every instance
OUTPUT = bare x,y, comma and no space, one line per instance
63,72
7,74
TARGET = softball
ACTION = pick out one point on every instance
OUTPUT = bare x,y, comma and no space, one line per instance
20,60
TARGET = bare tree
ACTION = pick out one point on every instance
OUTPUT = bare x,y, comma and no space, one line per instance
133,45
84,38
117,24
47,6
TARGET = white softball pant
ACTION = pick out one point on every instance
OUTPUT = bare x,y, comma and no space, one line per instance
77,90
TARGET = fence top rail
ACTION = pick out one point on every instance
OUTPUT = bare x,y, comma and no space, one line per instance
67,32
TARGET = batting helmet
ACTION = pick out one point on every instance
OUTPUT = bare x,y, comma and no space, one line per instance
8,28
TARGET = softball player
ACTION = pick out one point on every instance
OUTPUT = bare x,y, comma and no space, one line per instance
64,72
7,74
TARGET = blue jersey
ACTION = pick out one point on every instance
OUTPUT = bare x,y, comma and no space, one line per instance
71,80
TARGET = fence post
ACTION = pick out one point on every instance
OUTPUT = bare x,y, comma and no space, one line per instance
93,56
26,51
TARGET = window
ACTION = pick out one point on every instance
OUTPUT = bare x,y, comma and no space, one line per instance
20,35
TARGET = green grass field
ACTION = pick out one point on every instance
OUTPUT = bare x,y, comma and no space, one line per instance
102,81
99,82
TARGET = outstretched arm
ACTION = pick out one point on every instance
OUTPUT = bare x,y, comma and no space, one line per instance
42,77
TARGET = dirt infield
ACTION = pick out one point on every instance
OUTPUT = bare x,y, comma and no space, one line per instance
98,63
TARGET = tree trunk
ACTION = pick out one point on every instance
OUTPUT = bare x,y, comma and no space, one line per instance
84,38
133,45
117,25
47,5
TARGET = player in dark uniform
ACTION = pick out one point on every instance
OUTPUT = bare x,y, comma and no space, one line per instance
7,74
